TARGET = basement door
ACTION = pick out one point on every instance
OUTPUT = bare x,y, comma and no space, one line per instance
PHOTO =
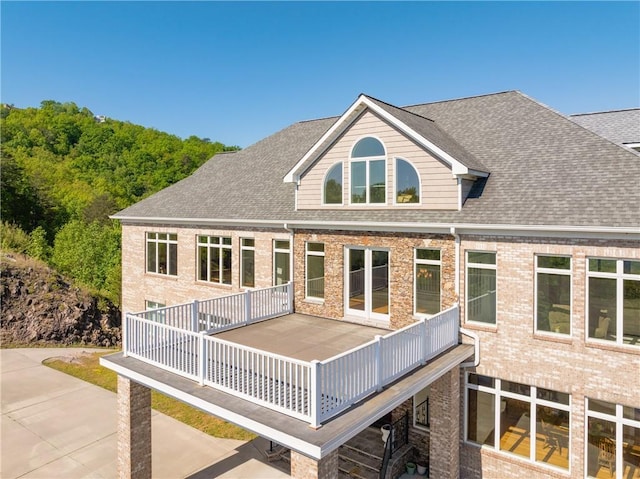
367,282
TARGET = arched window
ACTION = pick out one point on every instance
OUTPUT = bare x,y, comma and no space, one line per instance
332,191
407,182
368,172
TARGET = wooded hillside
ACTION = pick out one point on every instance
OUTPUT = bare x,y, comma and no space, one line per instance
65,170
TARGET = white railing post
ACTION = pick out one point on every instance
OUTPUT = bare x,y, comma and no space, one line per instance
315,394
379,366
195,313
201,356
124,330
290,297
247,307
425,340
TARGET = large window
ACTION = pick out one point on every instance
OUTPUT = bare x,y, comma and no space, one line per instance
614,300
332,190
407,183
281,262
427,281
368,172
315,270
613,440
481,286
247,262
553,294
214,259
162,253
526,421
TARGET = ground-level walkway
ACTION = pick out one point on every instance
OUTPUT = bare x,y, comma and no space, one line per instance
57,426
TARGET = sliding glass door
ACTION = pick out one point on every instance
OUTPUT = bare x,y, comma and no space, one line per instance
367,282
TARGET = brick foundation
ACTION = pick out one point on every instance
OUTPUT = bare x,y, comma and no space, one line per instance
134,430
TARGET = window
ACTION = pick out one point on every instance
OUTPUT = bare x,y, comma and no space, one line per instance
502,415
481,287
158,316
281,257
407,183
421,408
614,300
214,259
613,440
368,172
162,253
553,294
427,281
247,262
315,270
332,193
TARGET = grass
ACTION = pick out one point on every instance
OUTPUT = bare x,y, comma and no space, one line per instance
87,368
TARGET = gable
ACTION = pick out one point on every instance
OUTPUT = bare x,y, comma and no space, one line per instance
438,186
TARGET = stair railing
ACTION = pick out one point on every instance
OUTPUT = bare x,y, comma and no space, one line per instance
398,437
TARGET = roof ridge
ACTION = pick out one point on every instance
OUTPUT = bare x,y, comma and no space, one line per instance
604,111
398,107
461,98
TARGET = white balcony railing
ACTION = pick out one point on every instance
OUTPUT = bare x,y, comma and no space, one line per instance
312,391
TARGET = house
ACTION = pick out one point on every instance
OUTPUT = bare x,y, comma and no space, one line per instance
465,271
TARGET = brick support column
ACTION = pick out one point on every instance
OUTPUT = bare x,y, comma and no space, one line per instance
444,411
134,430
303,467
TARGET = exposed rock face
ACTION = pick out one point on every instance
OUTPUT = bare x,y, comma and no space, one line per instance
40,306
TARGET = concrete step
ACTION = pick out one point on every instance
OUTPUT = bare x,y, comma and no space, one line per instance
358,464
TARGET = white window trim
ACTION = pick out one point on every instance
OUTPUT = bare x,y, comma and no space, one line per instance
284,251
308,253
324,181
466,283
416,262
563,272
533,401
619,276
247,248
619,420
209,247
395,184
367,160
158,241
421,427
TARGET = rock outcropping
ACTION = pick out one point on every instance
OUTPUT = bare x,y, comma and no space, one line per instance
40,306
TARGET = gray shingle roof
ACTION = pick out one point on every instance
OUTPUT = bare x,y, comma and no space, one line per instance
545,170
621,126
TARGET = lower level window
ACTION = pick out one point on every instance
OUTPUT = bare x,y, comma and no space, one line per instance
613,440
421,408
518,419
152,315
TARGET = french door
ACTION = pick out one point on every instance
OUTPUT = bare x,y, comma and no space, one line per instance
367,282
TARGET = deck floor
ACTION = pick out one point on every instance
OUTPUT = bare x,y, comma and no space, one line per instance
303,337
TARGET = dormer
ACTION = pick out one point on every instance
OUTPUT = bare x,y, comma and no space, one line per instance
382,157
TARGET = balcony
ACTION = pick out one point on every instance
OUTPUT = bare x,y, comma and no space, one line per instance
310,369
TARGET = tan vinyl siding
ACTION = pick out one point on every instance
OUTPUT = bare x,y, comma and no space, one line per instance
439,187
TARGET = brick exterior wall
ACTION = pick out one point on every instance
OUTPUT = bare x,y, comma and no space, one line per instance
401,253
512,350
303,467
134,430
139,286
444,405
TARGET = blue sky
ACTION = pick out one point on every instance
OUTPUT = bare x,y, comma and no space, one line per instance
237,72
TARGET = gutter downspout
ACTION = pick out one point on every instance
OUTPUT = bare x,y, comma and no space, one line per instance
466,332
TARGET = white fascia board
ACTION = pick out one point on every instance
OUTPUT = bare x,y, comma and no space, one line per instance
291,177
199,221
476,229
242,421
